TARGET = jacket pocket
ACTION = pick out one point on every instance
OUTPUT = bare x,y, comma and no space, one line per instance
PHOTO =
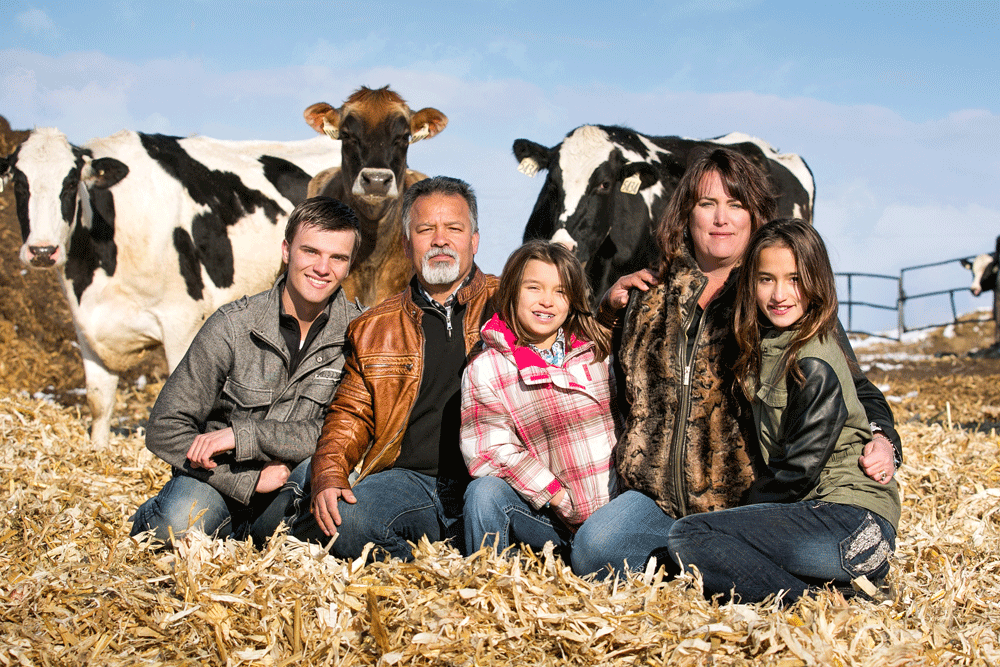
387,367
320,390
772,396
246,400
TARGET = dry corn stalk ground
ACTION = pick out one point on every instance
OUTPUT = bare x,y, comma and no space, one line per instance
77,590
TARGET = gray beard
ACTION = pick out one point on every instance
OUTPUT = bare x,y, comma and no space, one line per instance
439,273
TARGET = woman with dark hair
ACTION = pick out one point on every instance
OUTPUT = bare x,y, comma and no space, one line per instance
689,445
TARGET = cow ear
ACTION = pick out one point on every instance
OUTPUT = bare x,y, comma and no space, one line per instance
324,119
636,176
103,172
531,157
426,123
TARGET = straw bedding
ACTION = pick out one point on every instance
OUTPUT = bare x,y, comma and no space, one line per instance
76,589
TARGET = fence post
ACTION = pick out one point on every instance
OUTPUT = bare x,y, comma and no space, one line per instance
900,305
850,304
996,296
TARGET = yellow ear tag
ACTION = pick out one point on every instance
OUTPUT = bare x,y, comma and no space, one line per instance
528,167
422,133
630,185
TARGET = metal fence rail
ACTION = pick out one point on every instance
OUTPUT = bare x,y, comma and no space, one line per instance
902,298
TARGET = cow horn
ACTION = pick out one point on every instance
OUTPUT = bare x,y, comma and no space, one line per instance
528,167
422,133
631,185
331,130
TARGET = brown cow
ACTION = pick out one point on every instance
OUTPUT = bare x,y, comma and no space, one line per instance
375,128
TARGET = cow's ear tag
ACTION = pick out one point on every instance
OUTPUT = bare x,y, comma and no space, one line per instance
422,133
631,185
528,167
331,131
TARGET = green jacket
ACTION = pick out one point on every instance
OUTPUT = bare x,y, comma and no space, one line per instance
812,436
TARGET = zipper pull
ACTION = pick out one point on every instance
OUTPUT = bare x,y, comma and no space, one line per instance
687,376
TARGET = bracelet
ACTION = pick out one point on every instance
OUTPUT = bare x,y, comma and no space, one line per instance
878,432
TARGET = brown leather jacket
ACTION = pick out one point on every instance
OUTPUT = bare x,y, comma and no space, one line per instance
381,378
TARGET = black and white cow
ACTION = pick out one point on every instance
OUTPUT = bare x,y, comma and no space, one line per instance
607,186
150,234
984,273
984,279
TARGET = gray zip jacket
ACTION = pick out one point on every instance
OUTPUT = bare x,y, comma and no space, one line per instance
236,374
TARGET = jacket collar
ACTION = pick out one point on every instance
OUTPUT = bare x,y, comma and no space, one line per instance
498,335
266,326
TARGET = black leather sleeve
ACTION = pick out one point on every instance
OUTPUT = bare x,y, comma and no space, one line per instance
810,426
873,401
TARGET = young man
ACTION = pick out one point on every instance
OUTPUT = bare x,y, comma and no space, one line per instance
239,417
397,412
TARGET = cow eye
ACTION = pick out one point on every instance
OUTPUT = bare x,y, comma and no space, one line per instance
604,186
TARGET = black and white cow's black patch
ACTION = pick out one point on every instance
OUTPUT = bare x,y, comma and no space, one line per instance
288,178
227,198
607,187
187,259
92,246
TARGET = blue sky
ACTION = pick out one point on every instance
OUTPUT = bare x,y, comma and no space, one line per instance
894,105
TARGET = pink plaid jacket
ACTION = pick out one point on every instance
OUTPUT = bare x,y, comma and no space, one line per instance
541,428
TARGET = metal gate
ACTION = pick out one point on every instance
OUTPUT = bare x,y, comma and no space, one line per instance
902,298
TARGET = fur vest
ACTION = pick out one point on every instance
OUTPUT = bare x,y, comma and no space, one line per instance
689,440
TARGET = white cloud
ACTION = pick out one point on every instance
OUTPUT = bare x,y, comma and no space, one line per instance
37,23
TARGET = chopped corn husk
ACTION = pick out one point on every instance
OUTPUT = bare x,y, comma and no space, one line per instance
77,589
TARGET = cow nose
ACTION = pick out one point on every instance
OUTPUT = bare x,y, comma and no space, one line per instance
41,255
376,181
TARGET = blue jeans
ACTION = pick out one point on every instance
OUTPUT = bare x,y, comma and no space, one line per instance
759,550
497,514
393,506
621,536
185,502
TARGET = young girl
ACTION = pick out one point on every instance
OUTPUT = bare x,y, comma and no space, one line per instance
538,413
815,516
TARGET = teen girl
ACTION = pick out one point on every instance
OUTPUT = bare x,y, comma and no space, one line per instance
816,517
538,414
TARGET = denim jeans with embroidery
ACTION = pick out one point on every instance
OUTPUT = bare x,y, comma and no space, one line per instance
759,550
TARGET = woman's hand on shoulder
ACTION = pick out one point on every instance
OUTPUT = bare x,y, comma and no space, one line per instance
616,297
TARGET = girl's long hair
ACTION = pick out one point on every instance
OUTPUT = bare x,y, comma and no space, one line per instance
816,285
742,179
579,322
